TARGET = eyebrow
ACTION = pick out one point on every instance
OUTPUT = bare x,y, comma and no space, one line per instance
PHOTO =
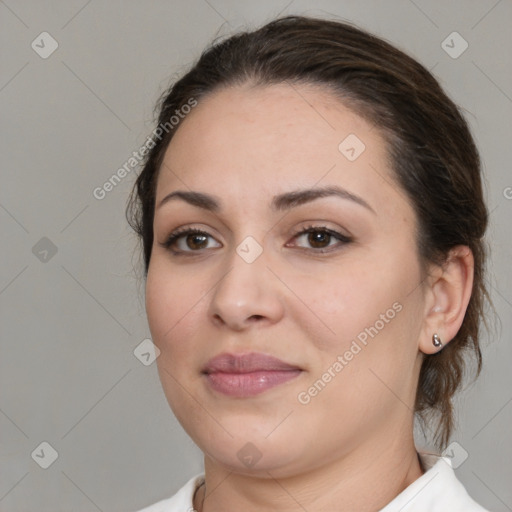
279,203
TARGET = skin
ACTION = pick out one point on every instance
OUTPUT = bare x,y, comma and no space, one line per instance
245,145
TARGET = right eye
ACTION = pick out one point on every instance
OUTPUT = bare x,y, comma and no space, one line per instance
194,239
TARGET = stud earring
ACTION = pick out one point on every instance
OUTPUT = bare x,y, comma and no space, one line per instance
436,341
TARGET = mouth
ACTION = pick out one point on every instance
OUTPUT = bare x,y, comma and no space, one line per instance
247,374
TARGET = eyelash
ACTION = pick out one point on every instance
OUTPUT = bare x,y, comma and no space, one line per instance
176,235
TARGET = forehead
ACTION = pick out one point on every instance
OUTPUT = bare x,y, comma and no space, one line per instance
259,141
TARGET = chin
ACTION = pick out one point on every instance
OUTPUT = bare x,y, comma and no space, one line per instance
252,449
254,458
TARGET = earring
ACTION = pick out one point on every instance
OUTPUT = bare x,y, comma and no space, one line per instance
436,340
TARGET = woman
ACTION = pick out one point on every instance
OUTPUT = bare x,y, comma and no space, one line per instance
312,220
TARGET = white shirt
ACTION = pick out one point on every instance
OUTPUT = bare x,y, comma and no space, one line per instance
437,490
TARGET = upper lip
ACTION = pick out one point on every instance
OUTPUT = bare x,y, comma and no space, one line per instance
246,363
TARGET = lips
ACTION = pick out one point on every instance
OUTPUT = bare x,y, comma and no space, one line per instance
247,374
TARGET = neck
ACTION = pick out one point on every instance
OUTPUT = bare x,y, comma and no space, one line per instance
366,479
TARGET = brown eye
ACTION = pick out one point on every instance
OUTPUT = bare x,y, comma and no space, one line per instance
319,238
194,241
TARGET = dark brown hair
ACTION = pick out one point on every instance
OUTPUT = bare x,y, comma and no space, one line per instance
431,150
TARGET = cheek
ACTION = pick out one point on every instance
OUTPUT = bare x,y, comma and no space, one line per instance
376,313
172,303
349,297
173,306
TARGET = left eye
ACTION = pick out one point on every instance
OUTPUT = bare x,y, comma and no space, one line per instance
318,236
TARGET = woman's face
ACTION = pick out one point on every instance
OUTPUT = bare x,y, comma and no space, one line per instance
341,307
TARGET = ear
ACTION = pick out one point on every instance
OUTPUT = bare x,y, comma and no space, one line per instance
447,297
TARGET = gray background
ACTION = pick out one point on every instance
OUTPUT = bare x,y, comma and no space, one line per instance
70,321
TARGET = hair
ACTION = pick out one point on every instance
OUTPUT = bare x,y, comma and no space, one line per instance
432,154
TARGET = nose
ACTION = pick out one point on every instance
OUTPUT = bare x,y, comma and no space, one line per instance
247,293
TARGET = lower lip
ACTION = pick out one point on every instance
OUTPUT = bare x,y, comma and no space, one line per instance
249,384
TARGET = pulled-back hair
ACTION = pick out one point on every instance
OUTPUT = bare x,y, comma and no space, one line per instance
431,152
